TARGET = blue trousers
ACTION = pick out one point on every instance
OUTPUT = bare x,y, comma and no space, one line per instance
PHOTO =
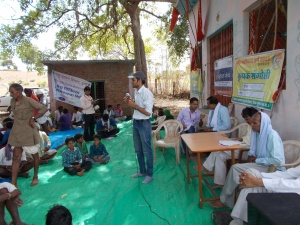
192,129
142,144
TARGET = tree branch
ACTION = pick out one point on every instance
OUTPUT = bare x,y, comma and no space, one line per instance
151,13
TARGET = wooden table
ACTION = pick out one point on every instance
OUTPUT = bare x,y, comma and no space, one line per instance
205,142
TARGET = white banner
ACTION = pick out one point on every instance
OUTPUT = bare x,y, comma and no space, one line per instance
67,88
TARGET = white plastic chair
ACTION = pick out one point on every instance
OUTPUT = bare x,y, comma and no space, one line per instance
159,120
173,128
241,128
234,121
291,154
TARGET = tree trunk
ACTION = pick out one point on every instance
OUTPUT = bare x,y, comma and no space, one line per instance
139,50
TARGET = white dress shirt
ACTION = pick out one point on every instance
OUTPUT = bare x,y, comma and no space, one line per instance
143,98
77,117
86,104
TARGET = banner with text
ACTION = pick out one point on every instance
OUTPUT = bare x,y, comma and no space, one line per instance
256,78
223,76
67,88
196,83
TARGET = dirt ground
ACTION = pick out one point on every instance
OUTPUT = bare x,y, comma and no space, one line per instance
171,103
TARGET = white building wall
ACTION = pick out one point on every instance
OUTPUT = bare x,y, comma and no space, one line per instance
286,113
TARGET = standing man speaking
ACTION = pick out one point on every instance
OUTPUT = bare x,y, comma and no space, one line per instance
87,102
142,105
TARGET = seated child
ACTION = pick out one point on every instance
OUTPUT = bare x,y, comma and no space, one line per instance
81,145
98,153
72,160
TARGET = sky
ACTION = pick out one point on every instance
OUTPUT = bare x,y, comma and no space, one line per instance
9,8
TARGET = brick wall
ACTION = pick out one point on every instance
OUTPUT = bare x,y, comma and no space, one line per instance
113,73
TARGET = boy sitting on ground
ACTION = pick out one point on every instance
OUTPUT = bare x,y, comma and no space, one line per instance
72,159
98,152
81,145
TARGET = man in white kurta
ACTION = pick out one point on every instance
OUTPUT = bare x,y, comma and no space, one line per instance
266,149
216,160
253,181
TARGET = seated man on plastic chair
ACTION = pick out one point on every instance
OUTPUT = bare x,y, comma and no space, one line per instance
218,117
266,149
216,161
190,117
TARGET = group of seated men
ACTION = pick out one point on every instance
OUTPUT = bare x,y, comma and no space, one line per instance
6,153
63,120
266,149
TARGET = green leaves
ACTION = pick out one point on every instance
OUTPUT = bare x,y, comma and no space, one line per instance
178,40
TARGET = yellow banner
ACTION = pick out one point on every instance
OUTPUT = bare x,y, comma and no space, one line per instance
196,82
256,78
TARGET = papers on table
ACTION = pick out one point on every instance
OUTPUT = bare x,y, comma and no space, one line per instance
230,142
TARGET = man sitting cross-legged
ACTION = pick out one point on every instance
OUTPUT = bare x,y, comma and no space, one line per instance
72,159
266,148
107,127
110,112
6,155
216,161
45,153
10,198
119,114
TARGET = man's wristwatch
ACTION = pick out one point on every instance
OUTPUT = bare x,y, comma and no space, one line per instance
33,118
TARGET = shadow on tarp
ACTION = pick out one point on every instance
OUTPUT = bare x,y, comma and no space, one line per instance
107,195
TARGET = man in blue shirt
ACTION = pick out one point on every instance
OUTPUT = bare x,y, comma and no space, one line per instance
107,127
65,120
218,117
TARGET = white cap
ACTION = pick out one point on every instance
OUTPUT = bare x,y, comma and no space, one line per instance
39,92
